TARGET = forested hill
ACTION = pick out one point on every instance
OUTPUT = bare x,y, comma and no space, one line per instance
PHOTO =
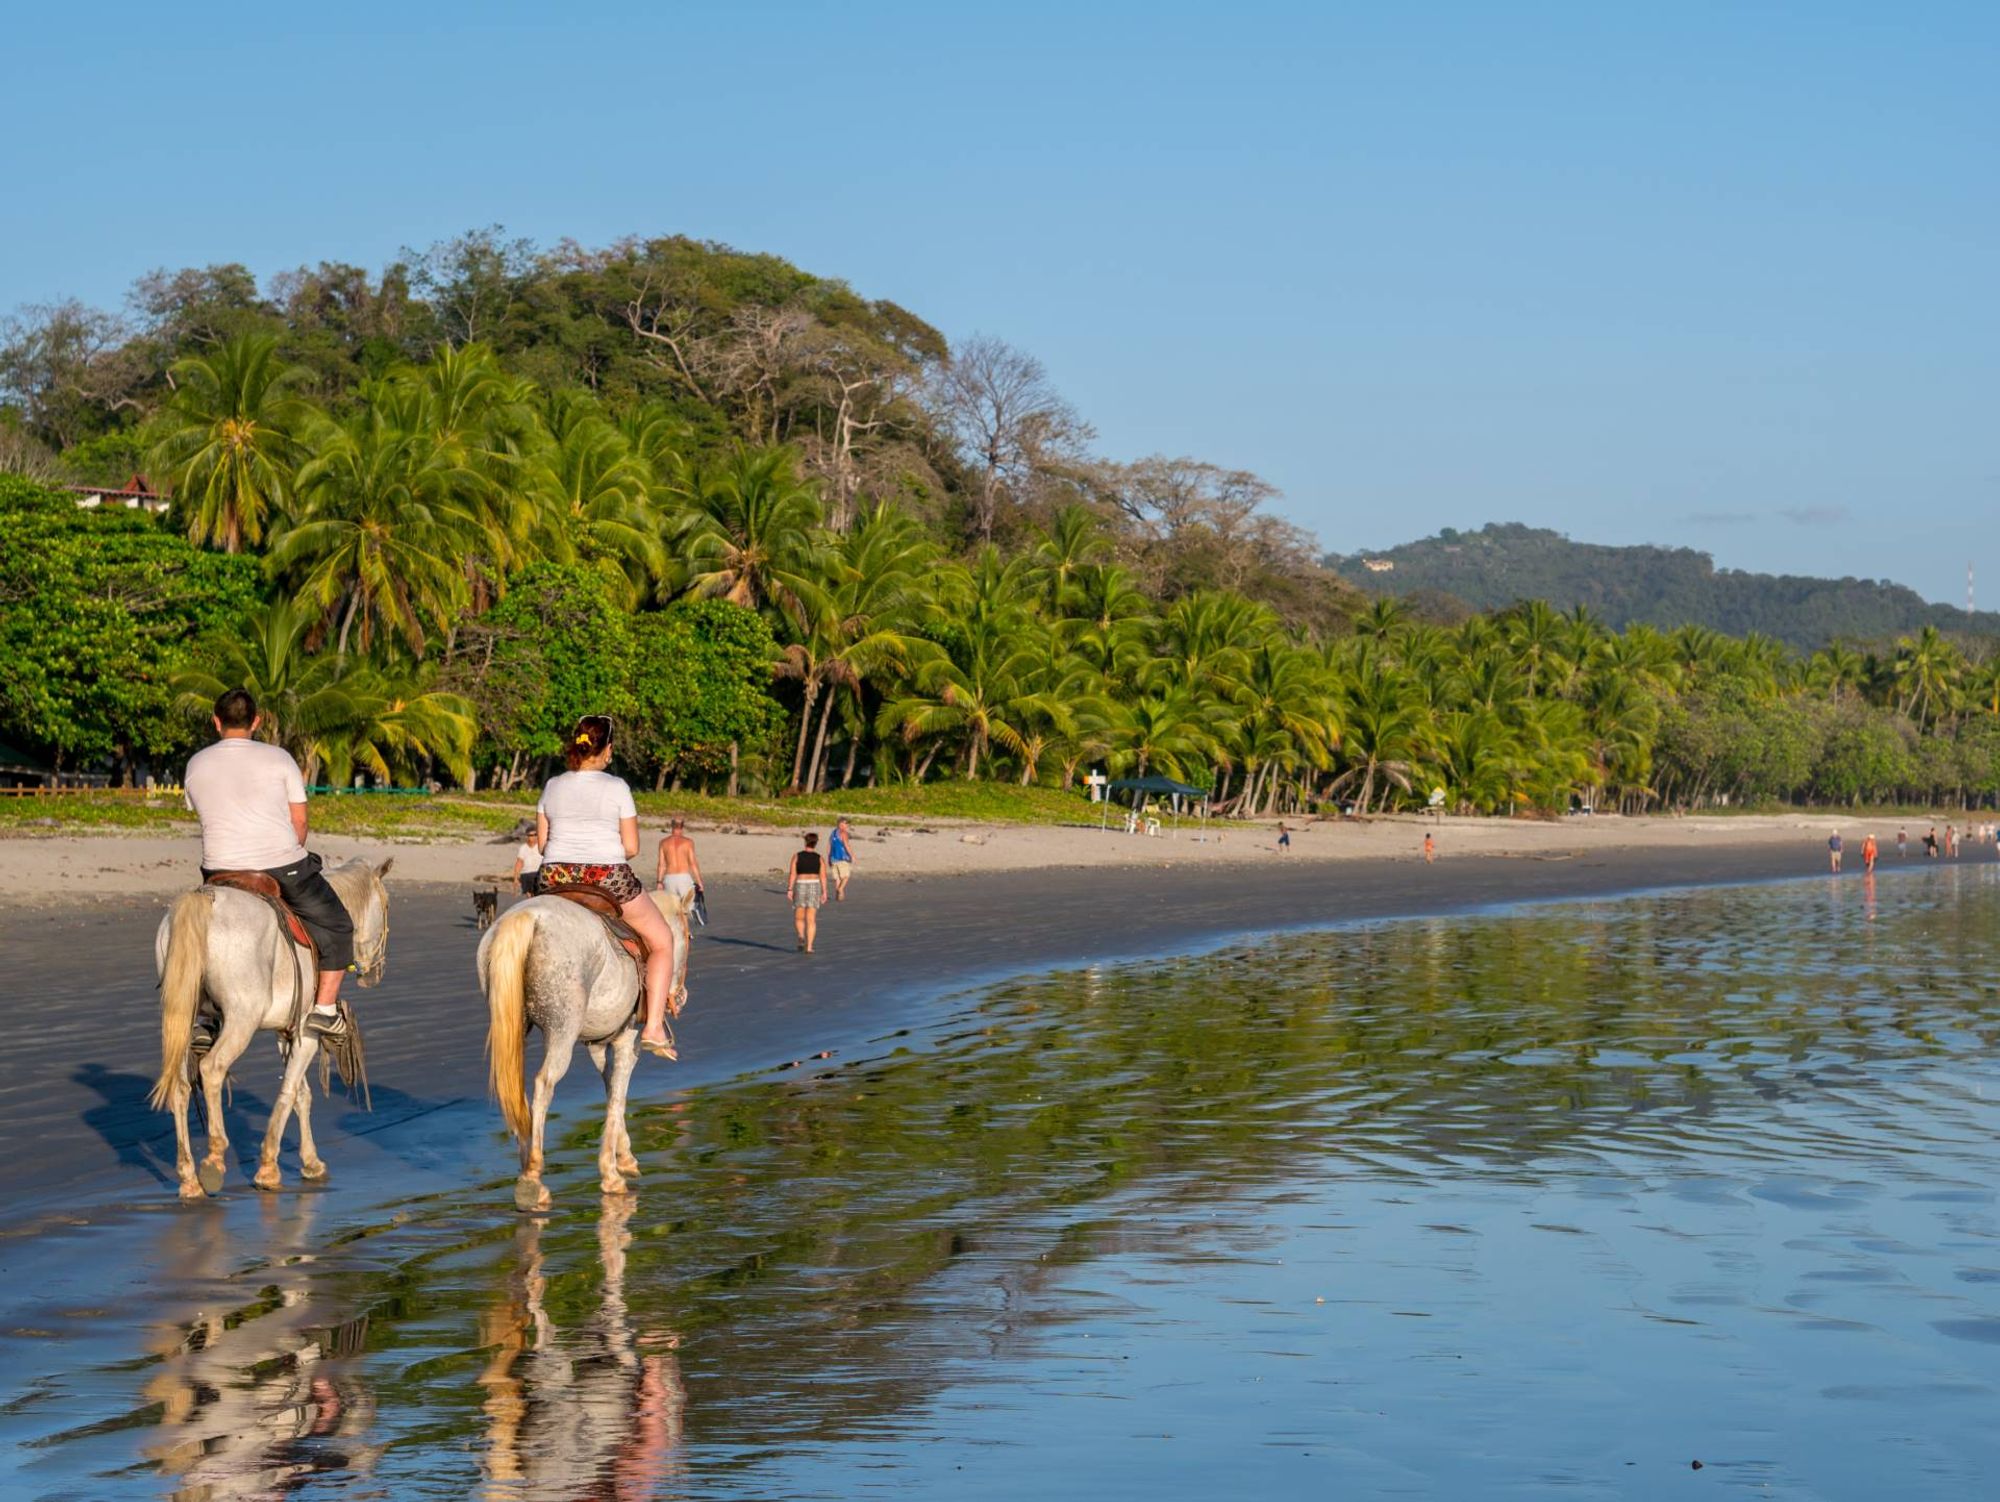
1507,562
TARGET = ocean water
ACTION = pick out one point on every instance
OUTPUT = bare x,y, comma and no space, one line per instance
1680,1195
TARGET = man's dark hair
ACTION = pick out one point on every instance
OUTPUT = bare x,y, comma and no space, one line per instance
236,709
812,839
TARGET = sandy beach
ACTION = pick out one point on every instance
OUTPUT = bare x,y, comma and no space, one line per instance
45,870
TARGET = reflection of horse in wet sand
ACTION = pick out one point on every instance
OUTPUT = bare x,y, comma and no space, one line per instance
253,1399
554,965
595,1410
225,949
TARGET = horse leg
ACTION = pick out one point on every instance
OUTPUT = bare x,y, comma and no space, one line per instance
304,1047
612,1152
311,1165
618,1081
236,1036
184,1147
530,1193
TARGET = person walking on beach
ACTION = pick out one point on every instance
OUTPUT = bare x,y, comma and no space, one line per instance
588,829
678,871
527,866
1930,843
1284,836
1902,844
251,801
1833,851
1430,849
803,889
840,858
1951,842
1868,854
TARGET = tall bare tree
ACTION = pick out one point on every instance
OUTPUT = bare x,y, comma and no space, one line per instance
1008,420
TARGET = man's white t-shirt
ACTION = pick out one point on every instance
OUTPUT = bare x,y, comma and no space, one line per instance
583,810
529,857
243,791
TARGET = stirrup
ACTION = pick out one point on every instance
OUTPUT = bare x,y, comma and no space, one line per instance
202,1039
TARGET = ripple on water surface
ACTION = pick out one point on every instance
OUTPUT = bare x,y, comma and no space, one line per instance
1562,1199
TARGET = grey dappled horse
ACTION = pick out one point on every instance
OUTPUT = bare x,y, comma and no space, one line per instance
553,965
227,945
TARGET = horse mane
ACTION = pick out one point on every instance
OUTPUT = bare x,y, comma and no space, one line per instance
351,880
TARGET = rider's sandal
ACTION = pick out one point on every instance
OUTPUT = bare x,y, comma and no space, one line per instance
202,1039
664,1050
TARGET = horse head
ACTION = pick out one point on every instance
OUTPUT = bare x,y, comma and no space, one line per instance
370,906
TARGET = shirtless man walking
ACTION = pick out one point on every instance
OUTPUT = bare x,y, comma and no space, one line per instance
679,872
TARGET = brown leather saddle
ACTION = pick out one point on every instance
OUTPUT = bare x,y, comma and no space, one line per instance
257,884
599,901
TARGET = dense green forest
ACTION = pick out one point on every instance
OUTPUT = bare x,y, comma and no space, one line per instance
1503,564
791,538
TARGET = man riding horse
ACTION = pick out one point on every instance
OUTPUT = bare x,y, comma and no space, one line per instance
251,800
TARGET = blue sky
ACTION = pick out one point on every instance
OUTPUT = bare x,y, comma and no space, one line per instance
1714,274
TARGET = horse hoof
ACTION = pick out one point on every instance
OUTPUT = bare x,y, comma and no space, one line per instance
628,1170
612,1186
266,1178
191,1191
210,1175
531,1197
312,1171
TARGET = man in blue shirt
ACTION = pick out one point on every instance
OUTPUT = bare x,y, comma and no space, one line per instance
840,859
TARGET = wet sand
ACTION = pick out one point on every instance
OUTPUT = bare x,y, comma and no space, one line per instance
78,1011
78,1018
1643,1163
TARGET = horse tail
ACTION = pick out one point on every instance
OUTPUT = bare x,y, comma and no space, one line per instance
507,1015
180,989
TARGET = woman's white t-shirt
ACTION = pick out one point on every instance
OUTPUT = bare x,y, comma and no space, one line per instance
583,810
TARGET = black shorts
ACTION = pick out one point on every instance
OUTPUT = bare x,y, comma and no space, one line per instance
531,883
320,909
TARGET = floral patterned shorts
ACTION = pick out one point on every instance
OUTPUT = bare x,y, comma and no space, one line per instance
618,880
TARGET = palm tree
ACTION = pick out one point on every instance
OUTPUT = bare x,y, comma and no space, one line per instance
1169,732
986,692
230,441
1381,735
330,714
862,625
380,531
749,534
1070,543
1925,671
586,474
1477,758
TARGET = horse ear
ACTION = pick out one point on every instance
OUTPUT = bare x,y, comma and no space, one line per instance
383,869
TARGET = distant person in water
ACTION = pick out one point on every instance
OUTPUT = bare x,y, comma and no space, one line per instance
1902,844
1833,850
1951,841
1930,843
1868,854
1284,836
1430,848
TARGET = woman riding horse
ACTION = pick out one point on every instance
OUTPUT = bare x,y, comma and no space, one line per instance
588,829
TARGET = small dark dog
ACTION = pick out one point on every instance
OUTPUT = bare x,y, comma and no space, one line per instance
486,908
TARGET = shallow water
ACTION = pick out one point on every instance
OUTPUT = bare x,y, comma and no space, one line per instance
1563,1199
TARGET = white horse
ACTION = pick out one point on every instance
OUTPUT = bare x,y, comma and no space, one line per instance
553,965
227,946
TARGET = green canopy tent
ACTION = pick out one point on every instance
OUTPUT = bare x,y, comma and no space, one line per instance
1142,788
